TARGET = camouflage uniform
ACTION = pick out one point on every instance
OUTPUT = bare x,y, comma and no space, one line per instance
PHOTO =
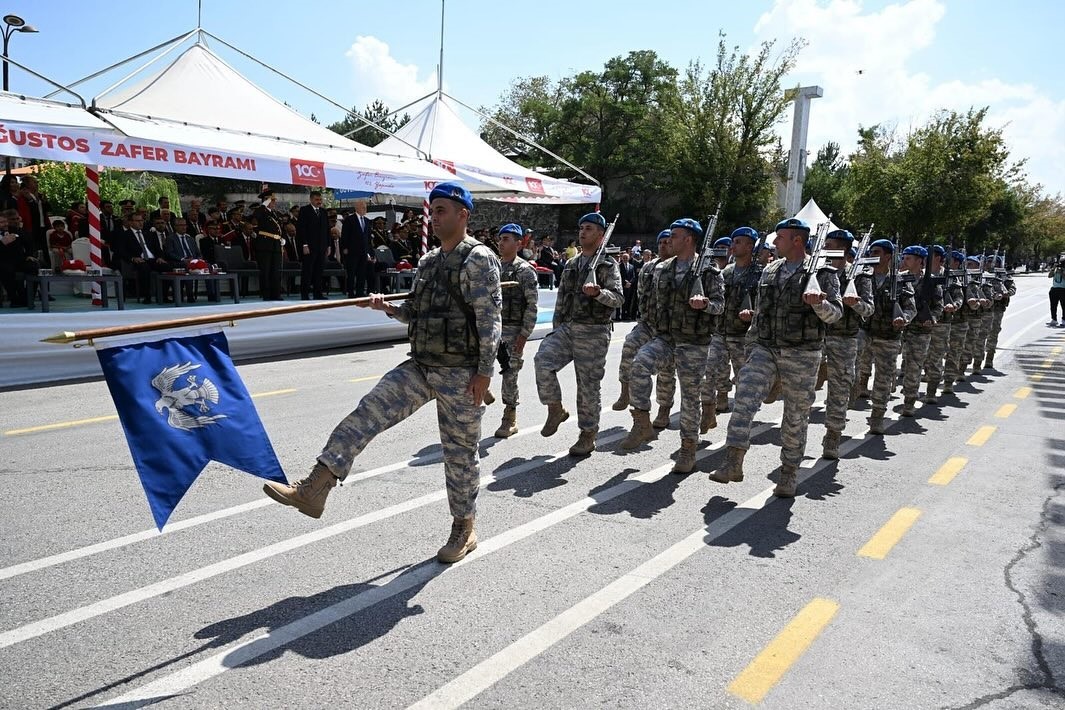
789,336
1005,288
841,350
958,348
729,344
979,326
519,318
880,344
640,335
451,341
916,337
682,336
939,343
581,335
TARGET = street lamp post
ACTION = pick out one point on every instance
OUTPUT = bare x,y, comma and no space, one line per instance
12,24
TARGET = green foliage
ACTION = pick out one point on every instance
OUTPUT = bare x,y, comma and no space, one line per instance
361,132
64,184
826,180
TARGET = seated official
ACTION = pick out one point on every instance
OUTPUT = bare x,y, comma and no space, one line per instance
144,254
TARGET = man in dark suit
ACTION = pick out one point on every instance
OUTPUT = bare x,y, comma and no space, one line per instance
312,230
357,251
143,252
110,226
169,217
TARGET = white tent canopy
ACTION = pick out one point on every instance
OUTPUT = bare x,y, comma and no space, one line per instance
438,132
812,215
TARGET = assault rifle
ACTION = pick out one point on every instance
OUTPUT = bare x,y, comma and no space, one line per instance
895,280
860,260
817,253
745,304
601,252
706,253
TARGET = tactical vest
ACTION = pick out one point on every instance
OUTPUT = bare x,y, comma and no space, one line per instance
443,331
849,325
879,325
644,284
737,286
575,305
673,316
953,292
514,301
784,320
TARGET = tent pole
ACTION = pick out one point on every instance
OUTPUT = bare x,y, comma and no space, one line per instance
150,62
440,66
127,60
526,139
347,111
393,112
42,77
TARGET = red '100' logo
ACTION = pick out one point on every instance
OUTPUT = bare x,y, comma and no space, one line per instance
307,172
535,185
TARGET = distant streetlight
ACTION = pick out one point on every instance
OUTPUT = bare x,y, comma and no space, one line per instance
12,24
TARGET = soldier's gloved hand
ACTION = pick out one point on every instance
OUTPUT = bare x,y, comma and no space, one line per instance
898,323
746,316
973,303
985,302
699,302
850,301
591,290
477,387
812,299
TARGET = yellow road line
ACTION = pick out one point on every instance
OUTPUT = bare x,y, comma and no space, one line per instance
1049,362
888,536
1005,410
981,436
1056,350
769,666
108,418
365,379
1023,392
948,471
1036,377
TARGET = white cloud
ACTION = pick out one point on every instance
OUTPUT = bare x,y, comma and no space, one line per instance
885,46
379,75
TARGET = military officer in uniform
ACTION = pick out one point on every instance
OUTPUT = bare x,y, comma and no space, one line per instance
584,313
959,326
453,323
939,341
1004,289
682,310
789,332
519,318
979,323
268,247
641,334
918,331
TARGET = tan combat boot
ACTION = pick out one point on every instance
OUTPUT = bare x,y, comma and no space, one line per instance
709,418
462,541
774,392
685,457
556,414
830,444
930,396
308,496
788,482
732,470
623,399
489,398
585,443
641,432
876,422
508,426
909,406
948,386
722,403
661,420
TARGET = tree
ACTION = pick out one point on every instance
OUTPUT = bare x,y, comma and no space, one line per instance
64,184
361,132
825,181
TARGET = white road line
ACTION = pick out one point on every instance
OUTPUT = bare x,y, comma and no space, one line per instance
253,648
104,606
1017,336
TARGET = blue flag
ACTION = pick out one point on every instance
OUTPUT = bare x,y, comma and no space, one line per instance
182,404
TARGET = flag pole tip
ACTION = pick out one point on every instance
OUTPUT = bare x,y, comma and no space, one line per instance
63,338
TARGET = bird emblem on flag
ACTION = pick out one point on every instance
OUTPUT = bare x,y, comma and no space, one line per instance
196,395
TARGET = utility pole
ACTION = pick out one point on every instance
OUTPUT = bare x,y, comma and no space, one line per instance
797,156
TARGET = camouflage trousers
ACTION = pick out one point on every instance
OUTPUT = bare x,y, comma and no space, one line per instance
881,353
510,377
665,381
995,329
959,331
690,361
841,352
397,395
797,370
724,351
585,346
934,360
976,339
914,351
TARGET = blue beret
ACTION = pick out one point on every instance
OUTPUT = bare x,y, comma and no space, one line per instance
793,223
885,244
511,228
974,259
748,232
959,255
453,191
915,250
690,224
937,249
593,218
840,234
664,234
723,242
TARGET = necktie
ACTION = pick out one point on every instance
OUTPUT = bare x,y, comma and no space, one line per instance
145,252
185,246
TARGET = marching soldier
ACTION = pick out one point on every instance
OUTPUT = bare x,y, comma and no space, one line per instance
453,322
682,308
729,344
519,318
939,343
665,382
979,324
954,366
789,332
584,313
841,343
268,247
883,332
919,330
1004,290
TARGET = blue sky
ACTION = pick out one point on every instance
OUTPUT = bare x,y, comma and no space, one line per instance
915,55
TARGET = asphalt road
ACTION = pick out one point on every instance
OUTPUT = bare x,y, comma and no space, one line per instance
600,582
